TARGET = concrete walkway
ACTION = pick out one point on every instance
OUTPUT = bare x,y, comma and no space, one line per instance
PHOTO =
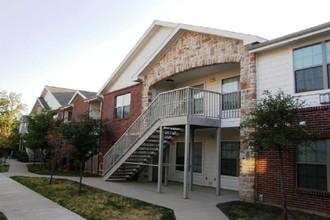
200,205
18,202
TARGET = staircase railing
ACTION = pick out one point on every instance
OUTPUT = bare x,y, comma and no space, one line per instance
174,103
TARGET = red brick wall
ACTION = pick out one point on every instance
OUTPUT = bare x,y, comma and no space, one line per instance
268,174
60,114
79,107
118,126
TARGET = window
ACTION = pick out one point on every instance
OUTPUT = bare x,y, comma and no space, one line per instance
310,67
67,115
313,166
198,99
231,98
196,160
123,106
230,158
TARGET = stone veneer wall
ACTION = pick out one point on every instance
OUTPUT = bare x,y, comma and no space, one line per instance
193,50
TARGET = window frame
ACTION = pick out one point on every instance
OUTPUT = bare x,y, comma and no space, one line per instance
237,159
326,163
232,98
122,106
181,167
325,65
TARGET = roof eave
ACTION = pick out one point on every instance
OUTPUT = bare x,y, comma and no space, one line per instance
282,41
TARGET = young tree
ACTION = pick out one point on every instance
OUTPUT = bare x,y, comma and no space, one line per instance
83,136
10,111
274,126
38,127
57,147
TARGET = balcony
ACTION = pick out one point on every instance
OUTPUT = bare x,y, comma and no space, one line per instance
172,110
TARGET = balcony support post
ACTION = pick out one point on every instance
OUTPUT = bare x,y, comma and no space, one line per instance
186,161
160,158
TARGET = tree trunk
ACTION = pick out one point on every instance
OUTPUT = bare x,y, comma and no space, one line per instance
285,212
80,181
34,157
51,173
4,157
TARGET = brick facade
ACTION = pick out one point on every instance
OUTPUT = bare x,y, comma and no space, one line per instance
268,184
79,108
193,50
118,126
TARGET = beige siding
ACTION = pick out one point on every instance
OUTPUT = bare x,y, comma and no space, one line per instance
211,82
275,71
208,175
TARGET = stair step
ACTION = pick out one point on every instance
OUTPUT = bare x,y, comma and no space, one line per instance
144,153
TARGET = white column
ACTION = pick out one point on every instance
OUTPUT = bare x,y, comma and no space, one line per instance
218,158
160,158
186,161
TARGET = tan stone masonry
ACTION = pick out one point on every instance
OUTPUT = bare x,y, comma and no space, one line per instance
192,50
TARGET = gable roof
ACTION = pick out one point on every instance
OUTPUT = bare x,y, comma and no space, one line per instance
83,94
62,95
43,102
290,38
177,29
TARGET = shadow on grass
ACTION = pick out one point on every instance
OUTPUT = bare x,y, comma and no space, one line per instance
254,211
43,170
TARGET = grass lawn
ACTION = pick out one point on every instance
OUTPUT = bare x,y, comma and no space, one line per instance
94,203
41,169
243,210
4,168
2,216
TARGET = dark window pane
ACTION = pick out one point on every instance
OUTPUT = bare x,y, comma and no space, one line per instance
197,156
180,156
119,112
229,167
126,111
309,79
229,158
312,176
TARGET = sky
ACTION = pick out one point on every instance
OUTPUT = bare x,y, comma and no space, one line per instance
78,44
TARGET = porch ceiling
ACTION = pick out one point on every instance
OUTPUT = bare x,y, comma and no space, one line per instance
199,72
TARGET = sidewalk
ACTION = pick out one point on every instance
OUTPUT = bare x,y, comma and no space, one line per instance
19,202
200,205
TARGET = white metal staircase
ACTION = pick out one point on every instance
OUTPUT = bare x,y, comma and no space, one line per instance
140,143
